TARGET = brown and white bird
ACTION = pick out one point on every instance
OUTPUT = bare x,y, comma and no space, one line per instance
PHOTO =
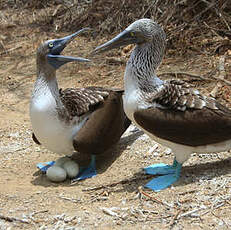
170,112
88,120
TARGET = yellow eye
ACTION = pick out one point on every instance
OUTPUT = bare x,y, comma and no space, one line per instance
132,34
51,44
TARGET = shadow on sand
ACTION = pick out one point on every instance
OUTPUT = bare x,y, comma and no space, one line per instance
103,161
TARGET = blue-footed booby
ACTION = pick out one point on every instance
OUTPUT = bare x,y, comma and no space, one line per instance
88,120
170,112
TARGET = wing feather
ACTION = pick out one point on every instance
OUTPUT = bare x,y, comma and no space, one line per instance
83,100
180,114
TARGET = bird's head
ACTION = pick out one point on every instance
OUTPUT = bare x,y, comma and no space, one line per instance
50,51
139,32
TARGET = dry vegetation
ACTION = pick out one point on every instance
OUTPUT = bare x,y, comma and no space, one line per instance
198,51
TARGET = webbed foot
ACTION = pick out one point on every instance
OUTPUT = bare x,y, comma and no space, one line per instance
171,174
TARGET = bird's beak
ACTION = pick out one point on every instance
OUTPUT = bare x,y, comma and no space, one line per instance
122,39
57,60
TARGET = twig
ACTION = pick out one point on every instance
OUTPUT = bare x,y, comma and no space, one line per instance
223,80
173,221
190,212
70,199
12,49
150,6
153,198
31,215
16,150
12,219
213,93
184,73
227,225
37,212
196,76
210,209
221,67
109,211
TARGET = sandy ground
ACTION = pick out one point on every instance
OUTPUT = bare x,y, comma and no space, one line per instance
115,199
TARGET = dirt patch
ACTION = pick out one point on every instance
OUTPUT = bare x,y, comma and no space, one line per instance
114,199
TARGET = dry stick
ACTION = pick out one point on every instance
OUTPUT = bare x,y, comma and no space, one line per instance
184,73
196,76
7,51
174,219
182,26
203,11
12,219
223,80
153,198
151,5
38,212
227,225
209,209
212,29
125,181
219,14
212,208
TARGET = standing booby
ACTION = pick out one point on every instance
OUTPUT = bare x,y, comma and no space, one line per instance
170,112
89,120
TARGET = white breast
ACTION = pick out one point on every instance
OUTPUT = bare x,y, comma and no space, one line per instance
52,133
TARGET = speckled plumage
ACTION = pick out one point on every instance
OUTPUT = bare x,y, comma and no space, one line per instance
178,95
175,108
79,101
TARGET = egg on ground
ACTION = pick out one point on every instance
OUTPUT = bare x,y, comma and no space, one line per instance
64,167
72,168
56,174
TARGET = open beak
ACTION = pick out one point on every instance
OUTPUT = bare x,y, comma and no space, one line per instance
122,39
57,60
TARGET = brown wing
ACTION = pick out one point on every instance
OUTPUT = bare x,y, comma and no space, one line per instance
104,126
178,95
82,100
185,117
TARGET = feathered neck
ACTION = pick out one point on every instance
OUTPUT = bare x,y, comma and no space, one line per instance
143,63
46,79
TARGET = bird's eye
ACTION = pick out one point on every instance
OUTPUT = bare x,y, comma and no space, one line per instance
132,34
51,44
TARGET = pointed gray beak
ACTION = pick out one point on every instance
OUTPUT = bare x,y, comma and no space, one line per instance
57,60
122,39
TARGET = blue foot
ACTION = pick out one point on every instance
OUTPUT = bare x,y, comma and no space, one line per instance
44,166
159,169
161,182
87,172
171,175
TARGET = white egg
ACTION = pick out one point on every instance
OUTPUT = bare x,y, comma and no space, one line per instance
72,168
61,161
56,174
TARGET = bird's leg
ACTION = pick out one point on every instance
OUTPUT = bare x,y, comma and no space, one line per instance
87,172
171,174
